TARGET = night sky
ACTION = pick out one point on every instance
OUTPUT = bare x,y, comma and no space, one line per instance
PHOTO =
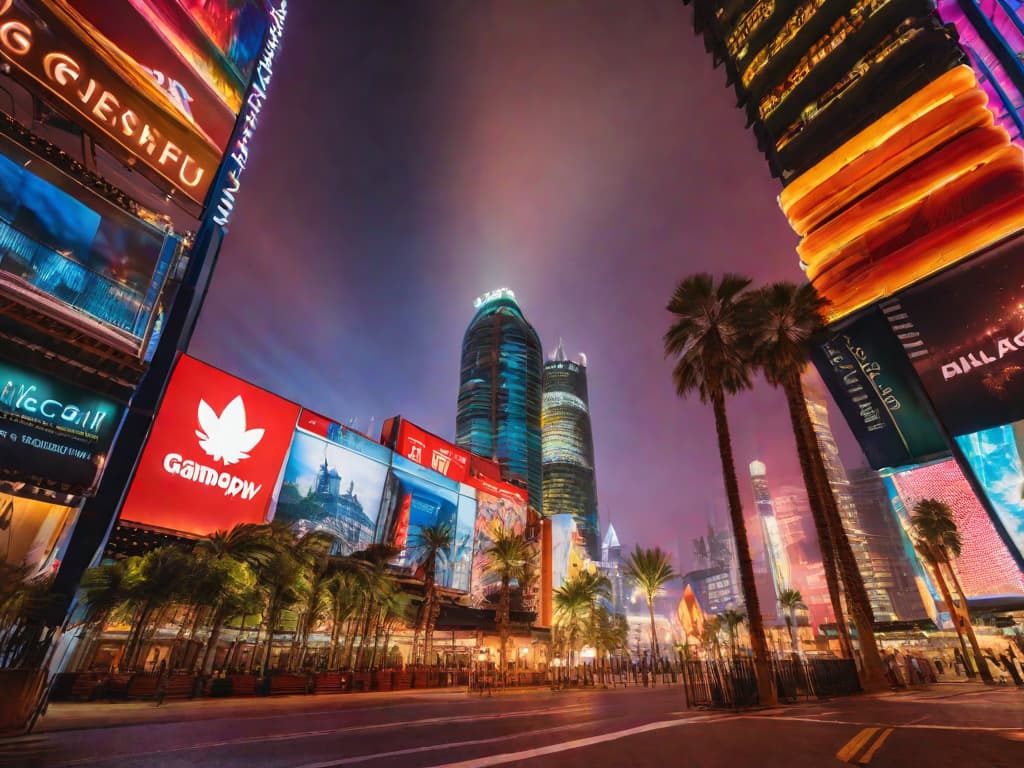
414,155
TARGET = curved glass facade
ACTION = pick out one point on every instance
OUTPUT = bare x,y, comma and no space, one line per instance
500,392
569,485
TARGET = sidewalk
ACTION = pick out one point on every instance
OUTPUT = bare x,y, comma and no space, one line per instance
71,716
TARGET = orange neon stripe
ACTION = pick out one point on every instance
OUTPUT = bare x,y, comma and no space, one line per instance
918,138
954,161
941,90
927,255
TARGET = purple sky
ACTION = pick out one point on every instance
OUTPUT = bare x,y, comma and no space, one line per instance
584,153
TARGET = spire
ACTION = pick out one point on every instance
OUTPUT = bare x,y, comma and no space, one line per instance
611,538
559,351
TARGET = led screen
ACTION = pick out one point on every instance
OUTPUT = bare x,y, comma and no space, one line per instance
61,244
419,499
52,434
868,375
492,511
971,360
986,566
334,487
213,455
995,457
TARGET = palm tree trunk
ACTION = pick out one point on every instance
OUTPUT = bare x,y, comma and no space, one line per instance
793,389
332,654
947,598
655,650
206,666
873,676
504,605
979,660
758,645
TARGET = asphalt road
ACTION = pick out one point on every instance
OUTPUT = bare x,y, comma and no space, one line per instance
945,725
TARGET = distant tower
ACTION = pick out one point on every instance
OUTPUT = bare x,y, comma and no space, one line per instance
500,391
877,584
775,550
568,447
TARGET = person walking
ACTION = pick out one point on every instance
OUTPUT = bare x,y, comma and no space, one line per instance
161,683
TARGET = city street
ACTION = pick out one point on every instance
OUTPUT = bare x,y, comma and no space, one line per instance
944,725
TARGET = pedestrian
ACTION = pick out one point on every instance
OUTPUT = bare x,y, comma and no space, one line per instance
161,683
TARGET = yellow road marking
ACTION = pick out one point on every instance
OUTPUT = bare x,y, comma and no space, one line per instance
866,757
854,745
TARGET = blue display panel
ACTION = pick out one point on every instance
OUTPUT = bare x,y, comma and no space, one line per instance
995,457
62,248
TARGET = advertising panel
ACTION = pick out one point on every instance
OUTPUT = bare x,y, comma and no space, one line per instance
213,455
51,47
334,481
429,450
985,565
504,508
970,360
63,247
32,531
52,435
420,498
995,457
868,375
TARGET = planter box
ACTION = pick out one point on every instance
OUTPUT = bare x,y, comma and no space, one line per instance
22,689
242,685
329,682
220,687
284,685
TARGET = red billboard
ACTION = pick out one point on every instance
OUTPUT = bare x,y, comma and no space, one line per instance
214,454
429,450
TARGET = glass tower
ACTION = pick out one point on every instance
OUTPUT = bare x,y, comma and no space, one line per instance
775,552
569,485
500,391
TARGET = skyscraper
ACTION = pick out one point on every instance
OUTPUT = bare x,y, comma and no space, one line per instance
500,391
568,447
775,552
875,583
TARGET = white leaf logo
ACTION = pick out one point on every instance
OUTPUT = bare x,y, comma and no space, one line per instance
225,437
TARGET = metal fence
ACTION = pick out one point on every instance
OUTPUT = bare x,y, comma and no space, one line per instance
732,684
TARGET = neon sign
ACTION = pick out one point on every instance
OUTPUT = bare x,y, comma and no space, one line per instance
238,155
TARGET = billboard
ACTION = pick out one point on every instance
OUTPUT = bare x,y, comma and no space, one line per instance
52,435
871,381
334,481
213,455
160,82
971,360
986,567
62,247
994,455
500,506
32,531
429,450
420,498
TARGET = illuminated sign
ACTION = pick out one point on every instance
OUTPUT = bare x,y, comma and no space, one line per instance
214,454
500,293
871,381
970,359
45,45
431,451
52,435
238,155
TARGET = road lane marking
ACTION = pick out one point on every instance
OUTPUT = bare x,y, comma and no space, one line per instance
918,726
528,754
866,757
856,744
323,732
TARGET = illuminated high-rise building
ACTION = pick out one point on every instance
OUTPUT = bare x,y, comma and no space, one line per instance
500,391
776,561
875,583
568,447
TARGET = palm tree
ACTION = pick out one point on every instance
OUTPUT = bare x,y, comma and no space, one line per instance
153,583
426,546
377,586
731,619
510,557
709,340
104,590
784,321
709,635
650,570
345,591
939,540
245,543
791,600
573,606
